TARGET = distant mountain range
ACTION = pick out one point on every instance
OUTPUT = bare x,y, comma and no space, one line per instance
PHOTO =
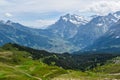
69,34
109,42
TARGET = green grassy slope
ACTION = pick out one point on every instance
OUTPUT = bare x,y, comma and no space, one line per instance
112,68
18,64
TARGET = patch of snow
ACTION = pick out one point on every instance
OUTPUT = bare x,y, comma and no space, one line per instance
114,20
75,22
9,22
75,19
99,24
117,37
65,19
117,16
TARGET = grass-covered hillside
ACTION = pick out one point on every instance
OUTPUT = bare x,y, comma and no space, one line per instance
19,65
112,67
23,63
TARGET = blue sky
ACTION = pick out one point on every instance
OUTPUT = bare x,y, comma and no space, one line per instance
40,13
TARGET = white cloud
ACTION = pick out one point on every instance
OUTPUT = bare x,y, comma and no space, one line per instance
3,3
104,7
44,23
39,23
19,7
8,15
41,6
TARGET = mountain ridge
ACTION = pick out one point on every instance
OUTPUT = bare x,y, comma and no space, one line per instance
63,36
109,42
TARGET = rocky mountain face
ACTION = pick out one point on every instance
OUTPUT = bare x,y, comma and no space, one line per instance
97,27
109,42
67,26
70,33
35,38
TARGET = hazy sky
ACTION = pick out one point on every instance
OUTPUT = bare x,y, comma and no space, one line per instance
44,12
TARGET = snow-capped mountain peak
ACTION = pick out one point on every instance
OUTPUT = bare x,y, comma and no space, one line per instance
9,22
75,19
117,14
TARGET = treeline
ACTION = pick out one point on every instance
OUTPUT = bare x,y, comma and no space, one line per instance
84,61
